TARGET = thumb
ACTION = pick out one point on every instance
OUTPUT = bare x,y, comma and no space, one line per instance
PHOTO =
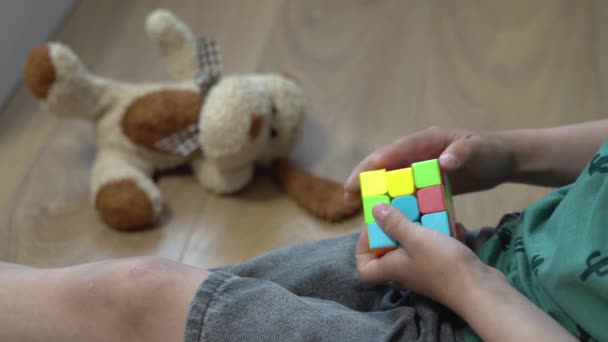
457,154
394,223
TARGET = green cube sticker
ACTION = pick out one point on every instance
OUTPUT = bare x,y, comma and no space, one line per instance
369,203
426,173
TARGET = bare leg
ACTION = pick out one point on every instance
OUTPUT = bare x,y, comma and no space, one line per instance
142,299
6,266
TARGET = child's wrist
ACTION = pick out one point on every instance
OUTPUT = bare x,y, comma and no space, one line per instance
517,150
476,286
489,288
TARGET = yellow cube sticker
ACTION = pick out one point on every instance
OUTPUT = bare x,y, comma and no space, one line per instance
400,182
373,182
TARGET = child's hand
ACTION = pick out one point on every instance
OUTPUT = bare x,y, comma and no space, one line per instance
441,268
474,161
430,263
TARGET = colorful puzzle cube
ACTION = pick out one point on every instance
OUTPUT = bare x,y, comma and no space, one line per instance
421,192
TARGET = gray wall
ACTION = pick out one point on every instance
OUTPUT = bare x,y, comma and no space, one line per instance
23,25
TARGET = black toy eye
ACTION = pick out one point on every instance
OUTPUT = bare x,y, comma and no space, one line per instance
273,133
273,110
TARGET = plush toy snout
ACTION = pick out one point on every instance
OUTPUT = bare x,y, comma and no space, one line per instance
248,119
288,110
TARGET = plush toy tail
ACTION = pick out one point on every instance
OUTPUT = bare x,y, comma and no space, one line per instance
321,197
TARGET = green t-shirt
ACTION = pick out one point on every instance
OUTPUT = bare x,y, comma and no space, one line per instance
556,253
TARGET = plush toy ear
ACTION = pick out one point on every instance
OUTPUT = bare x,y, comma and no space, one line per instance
321,197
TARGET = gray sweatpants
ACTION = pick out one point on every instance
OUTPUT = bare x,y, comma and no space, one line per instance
311,292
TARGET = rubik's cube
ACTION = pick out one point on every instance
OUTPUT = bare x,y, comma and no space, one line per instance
421,192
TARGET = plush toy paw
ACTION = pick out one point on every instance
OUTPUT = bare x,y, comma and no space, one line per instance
39,72
54,73
124,195
124,205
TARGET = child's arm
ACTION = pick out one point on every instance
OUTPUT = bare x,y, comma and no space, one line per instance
498,312
439,267
554,156
480,161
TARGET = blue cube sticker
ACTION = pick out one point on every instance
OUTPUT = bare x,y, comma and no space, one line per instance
437,221
408,206
378,238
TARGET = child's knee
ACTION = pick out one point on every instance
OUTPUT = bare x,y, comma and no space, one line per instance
130,282
131,292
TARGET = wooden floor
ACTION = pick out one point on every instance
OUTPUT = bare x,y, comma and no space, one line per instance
373,70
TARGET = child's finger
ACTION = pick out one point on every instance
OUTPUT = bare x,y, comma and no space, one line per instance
404,151
375,270
352,198
362,244
372,272
457,153
396,225
369,269
372,162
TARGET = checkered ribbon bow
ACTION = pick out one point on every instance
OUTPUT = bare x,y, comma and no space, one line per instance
182,143
186,141
210,64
